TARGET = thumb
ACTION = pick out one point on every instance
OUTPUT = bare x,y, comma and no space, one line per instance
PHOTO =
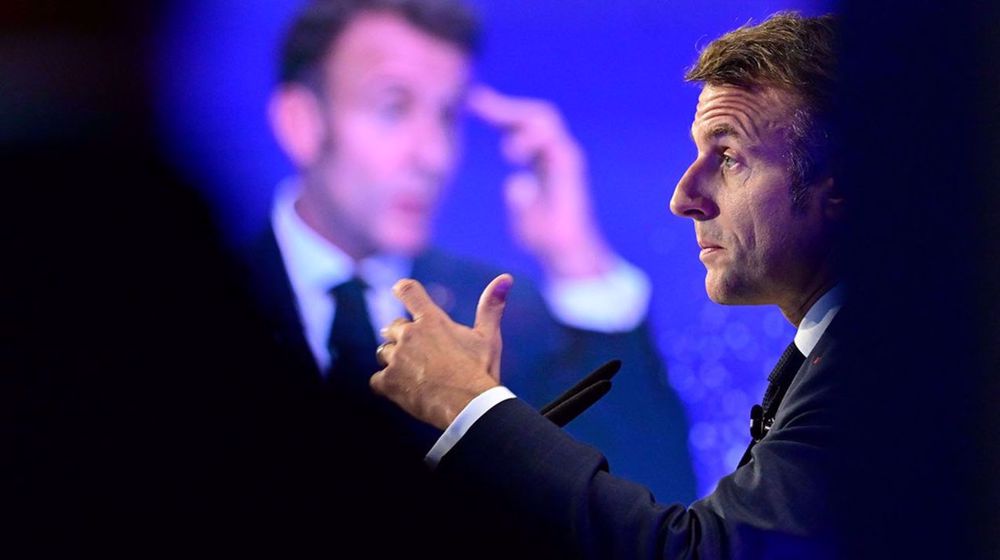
491,305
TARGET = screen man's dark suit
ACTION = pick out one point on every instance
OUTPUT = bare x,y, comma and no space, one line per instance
559,491
342,432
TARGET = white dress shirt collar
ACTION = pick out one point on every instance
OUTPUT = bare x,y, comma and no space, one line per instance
315,266
818,318
312,262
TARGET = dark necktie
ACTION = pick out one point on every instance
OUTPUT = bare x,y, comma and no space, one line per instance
352,338
384,426
762,415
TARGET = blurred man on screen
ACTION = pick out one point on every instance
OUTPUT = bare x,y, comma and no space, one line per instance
367,109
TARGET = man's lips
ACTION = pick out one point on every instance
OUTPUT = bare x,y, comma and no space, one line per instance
708,249
411,206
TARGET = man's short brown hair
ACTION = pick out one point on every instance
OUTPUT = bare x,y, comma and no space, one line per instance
792,53
318,25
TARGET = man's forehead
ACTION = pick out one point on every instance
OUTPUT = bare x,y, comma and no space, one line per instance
385,40
741,111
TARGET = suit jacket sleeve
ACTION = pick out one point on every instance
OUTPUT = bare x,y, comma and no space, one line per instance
561,490
640,425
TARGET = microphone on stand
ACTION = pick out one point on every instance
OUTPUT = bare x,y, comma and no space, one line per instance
581,396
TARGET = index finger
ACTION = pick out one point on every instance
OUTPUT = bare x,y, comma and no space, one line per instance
498,109
415,298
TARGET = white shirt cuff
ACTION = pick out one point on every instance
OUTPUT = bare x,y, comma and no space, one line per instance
613,302
473,411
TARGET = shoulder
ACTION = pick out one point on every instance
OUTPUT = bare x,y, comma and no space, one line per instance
266,279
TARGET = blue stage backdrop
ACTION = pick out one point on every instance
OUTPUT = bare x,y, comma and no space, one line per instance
614,68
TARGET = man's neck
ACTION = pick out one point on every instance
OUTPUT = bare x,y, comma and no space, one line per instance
321,226
795,311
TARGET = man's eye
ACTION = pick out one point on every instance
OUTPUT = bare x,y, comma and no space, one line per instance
727,161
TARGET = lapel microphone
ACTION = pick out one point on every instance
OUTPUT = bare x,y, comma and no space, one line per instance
581,396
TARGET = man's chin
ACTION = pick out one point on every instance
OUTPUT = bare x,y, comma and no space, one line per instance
726,293
722,299
404,246
729,296
714,289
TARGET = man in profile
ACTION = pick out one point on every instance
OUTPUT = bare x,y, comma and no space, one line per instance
367,109
768,216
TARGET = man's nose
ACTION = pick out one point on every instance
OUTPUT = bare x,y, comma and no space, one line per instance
691,195
434,148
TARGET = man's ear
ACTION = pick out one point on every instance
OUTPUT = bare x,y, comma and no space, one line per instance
297,122
833,201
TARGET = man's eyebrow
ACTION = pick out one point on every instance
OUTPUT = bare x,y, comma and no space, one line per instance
723,129
718,131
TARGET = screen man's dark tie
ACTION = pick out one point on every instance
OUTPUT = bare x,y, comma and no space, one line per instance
352,351
762,415
352,337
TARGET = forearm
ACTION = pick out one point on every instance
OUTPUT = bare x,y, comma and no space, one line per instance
561,490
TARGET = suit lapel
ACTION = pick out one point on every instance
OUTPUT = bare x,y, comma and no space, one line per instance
273,292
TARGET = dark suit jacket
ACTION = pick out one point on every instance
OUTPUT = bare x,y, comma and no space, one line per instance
559,491
347,433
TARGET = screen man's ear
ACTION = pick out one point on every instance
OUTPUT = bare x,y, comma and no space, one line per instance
297,122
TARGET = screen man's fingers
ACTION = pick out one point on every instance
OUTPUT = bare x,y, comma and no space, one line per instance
511,112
